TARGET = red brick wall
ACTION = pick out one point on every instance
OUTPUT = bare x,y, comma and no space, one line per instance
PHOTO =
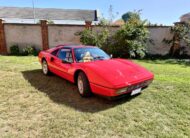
44,30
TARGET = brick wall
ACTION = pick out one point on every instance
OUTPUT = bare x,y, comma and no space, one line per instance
3,47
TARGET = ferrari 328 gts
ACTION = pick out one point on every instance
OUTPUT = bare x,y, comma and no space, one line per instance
94,71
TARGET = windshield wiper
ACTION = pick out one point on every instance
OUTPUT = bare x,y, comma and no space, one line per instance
99,57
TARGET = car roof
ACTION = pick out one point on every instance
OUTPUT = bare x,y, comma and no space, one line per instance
67,46
73,46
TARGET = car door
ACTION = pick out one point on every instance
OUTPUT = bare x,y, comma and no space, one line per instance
63,63
52,60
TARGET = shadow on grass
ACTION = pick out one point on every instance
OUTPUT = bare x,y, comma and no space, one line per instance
63,92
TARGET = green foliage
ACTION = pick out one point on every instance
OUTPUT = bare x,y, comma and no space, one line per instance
30,50
131,15
14,50
181,33
102,38
182,30
104,22
89,37
130,40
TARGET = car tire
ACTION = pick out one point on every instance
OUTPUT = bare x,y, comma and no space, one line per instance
45,68
83,85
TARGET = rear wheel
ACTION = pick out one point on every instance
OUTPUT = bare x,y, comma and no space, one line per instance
83,85
45,68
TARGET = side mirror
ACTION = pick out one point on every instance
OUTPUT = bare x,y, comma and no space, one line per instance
51,59
111,56
66,62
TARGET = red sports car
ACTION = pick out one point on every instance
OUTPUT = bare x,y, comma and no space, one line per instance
94,71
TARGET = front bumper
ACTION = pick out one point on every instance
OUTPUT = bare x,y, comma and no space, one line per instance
104,91
100,90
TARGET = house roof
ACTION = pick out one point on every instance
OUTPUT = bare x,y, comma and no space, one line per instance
48,13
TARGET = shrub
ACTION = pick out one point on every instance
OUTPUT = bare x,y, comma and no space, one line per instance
30,50
182,31
14,50
89,37
104,22
180,40
130,40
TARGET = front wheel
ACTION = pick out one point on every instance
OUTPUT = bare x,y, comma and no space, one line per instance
45,68
83,85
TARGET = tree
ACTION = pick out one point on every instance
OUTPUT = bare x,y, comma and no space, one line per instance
130,40
131,15
181,33
90,37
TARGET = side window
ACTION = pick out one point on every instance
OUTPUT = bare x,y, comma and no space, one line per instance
55,52
65,54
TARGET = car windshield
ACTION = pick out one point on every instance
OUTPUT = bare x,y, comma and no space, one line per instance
89,54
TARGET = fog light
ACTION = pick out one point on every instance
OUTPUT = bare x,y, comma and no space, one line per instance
120,91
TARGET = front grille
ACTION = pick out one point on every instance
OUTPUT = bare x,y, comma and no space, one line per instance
139,85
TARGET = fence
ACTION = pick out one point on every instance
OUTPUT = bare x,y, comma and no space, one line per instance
44,36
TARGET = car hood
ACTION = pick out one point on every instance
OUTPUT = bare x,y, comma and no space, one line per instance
115,73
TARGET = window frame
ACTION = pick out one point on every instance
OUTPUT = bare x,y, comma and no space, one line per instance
70,53
84,48
54,51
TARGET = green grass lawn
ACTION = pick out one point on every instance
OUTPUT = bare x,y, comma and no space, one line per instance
33,105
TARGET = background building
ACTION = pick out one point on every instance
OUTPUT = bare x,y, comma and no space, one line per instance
57,16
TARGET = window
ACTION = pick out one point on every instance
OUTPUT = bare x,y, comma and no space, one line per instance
89,54
65,54
55,52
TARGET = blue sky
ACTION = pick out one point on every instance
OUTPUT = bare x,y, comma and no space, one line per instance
156,11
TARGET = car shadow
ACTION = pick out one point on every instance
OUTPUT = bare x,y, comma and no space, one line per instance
61,91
